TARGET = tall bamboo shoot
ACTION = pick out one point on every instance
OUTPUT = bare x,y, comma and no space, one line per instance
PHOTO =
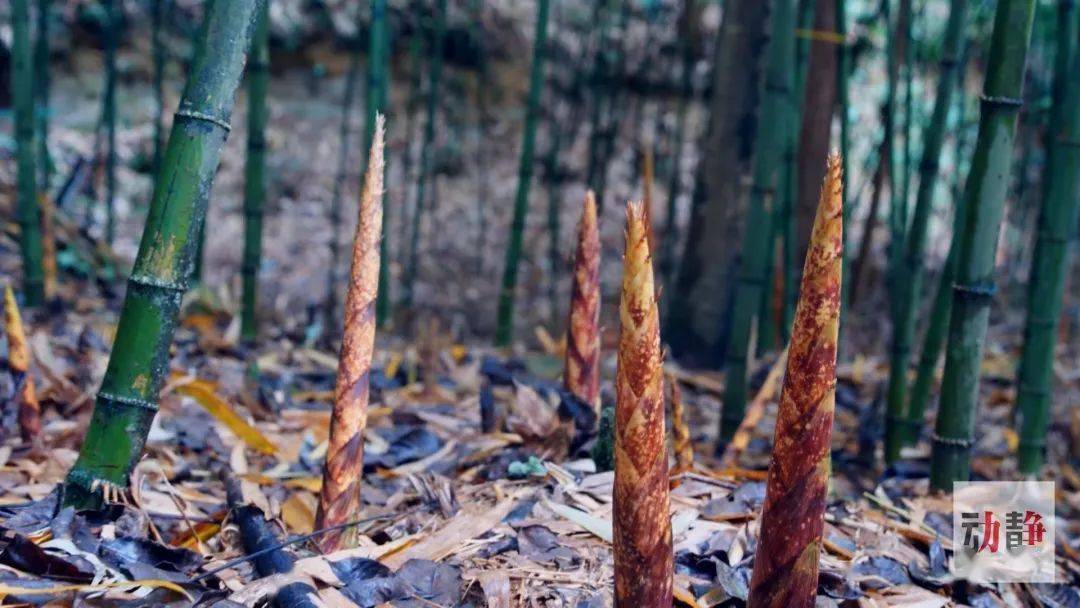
642,518
793,515
339,499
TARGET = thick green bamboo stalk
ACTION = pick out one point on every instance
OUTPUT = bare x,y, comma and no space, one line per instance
843,67
1057,219
157,15
782,220
686,90
434,79
598,85
779,82
555,258
984,197
416,42
564,124
888,127
330,305
482,83
504,330
200,242
112,26
788,185
378,53
127,401
41,94
941,310
767,322
909,275
255,173
898,43
22,90
908,20
611,114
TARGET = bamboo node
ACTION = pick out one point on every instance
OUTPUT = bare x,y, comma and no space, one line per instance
952,441
147,280
1002,101
124,400
214,120
975,291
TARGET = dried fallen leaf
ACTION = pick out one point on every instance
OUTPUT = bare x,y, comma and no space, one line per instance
204,393
6,590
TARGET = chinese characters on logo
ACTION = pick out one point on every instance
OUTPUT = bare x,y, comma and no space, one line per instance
1021,528
1004,531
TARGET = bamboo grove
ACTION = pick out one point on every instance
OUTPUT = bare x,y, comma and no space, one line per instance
754,247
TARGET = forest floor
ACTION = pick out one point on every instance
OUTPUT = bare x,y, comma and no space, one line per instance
518,515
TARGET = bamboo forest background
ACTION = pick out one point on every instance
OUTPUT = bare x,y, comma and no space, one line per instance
625,84
635,99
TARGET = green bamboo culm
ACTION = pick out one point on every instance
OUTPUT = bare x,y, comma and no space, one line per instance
788,183
781,222
330,305
767,322
434,80
908,126
893,60
255,174
908,277
984,195
504,331
941,309
415,72
127,400
779,83
554,192
22,91
610,114
668,262
41,94
482,80
111,32
843,66
378,52
598,81
157,15
1057,218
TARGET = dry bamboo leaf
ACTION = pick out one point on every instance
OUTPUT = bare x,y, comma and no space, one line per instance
496,586
6,590
681,443
298,512
204,393
598,526
754,413
471,521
